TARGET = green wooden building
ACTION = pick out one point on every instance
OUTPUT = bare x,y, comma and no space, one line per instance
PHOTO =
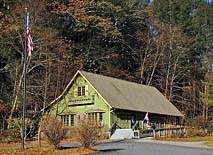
111,100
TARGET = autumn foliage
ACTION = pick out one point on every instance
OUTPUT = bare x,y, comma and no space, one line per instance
2,107
166,44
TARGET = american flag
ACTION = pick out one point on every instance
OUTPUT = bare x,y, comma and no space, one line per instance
29,38
146,118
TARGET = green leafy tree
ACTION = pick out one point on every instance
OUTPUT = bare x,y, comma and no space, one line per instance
206,91
100,34
206,97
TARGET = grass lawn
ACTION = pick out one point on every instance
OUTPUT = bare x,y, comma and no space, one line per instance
46,150
209,143
189,139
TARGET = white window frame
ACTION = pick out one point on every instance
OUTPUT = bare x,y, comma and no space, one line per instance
82,90
68,120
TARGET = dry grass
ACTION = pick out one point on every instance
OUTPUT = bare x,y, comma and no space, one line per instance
188,139
46,151
209,143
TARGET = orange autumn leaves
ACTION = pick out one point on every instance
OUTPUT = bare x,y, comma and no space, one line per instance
89,15
76,9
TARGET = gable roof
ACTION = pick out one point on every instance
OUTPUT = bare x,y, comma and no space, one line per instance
125,95
121,94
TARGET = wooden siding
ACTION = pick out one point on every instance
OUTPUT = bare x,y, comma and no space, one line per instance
74,104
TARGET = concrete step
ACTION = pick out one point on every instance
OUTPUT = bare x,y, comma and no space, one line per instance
121,134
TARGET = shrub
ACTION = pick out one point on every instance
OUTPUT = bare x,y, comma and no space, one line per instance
10,135
192,132
199,126
53,130
198,122
88,132
13,132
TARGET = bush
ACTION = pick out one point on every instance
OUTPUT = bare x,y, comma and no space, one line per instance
193,132
14,128
88,132
199,122
10,135
13,132
198,126
53,130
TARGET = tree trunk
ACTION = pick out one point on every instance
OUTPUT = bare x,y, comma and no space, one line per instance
39,132
157,58
143,59
207,109
16,95
173,78
204,104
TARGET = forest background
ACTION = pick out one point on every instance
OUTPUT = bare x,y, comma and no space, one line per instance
167,44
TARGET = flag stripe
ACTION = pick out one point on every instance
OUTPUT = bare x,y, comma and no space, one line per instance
29,38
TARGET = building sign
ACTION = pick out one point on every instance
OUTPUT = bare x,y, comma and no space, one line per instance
84,100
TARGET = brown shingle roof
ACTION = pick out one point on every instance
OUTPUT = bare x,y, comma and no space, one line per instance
121,94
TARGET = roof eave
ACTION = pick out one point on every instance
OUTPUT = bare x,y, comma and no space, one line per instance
52,103
136,110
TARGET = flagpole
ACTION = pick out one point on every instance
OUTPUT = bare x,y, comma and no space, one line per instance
24,82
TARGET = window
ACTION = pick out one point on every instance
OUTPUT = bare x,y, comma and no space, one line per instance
65,119
100,116
96,117
81,91
101,121
68,120
72,120
93,117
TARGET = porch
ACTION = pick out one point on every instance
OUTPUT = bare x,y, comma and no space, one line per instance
161,130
